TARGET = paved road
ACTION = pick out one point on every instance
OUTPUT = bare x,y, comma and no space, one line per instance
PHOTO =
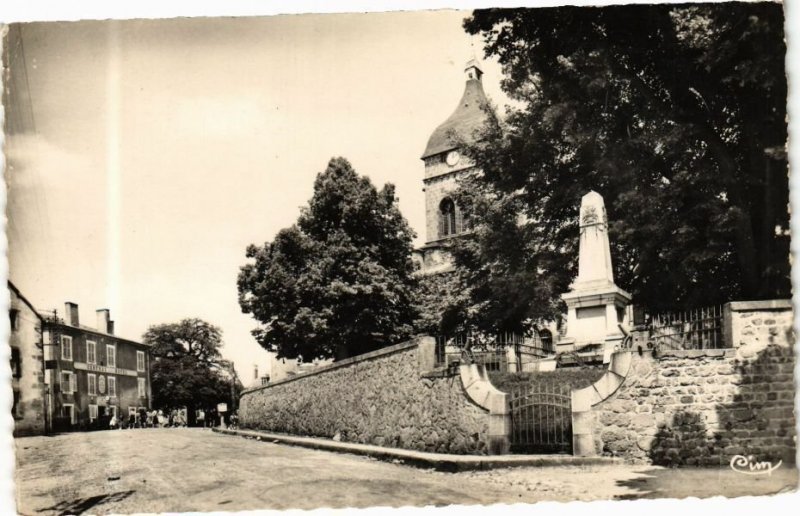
182,470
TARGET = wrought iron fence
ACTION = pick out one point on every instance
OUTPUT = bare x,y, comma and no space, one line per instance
469,347
491,349
691,329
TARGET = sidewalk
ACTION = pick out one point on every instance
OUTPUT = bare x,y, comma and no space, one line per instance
438,461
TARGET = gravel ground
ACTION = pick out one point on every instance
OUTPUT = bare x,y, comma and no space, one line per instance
182,470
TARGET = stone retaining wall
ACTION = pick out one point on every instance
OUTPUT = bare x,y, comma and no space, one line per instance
391,397
703,407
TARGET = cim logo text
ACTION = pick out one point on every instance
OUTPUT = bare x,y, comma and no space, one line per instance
749,466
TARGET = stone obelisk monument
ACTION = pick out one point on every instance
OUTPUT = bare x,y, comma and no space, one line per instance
596,306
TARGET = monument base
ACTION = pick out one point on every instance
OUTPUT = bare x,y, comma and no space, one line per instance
595,312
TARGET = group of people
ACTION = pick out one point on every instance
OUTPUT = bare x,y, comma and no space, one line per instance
150,419
175,418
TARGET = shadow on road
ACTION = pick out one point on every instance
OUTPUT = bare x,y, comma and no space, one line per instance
658,482
82,505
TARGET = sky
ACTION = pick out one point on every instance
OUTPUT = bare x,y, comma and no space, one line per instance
145,155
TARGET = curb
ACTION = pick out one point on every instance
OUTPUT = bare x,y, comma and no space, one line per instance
438,461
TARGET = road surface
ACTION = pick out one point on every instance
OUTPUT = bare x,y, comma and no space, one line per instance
183,470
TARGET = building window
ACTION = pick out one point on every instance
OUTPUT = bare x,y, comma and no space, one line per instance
547,340
142,388
66,348
112,386
447,217
91,352
452,221
68,382
140,361
68,410
101,384
111,355
92,412
15,408
92,380
14,315
16,363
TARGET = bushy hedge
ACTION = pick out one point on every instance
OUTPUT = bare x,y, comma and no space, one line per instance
574,377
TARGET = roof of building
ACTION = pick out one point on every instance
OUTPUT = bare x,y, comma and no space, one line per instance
462,124
24,299
89,329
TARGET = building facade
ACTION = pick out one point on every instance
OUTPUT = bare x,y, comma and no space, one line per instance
444,166
27,366
282,368
93,374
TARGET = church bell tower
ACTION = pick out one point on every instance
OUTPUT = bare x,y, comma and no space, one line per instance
444,165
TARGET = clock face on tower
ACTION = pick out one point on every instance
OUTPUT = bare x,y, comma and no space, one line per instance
452,158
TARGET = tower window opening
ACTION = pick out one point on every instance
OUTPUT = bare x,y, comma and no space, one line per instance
447,218
452,220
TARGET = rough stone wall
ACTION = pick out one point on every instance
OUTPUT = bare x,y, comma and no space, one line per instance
381,399
704,407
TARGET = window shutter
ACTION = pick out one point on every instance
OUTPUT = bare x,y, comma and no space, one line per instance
73,380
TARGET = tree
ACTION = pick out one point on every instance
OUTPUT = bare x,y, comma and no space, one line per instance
675,114
187,366
443,304
339,282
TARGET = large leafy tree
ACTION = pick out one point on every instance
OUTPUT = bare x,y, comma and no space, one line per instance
339,282
187,368
675,114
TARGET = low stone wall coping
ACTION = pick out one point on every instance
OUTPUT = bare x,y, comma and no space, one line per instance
341,363
771,304
697,353
439,461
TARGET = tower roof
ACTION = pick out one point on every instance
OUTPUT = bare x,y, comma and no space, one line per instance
465,120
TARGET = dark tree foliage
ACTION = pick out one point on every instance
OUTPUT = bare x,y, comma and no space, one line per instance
186,367
675,114
443,304
339,282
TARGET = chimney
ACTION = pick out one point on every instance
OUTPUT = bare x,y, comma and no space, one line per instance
103,320
110,328
71,313
255,371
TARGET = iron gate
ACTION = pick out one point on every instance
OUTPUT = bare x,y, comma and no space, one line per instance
541,419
